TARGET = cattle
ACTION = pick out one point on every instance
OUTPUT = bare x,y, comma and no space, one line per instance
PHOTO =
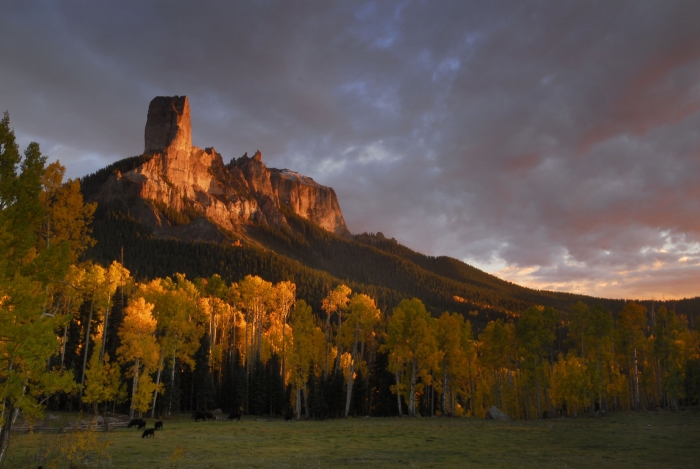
197,416
159,425
209,415
150,433
235,415
137,423
288,417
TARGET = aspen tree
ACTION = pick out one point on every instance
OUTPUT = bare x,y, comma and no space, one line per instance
535,333
452,357
285,295
630,338
302,355
103,380
99,284
178,325
335,303
363,316
138,348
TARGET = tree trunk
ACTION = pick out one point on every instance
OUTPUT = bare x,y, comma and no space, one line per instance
155,392
135,388
658,382
351,376
298,406
63,347
172,382
444,387
432,400
247,366
398,392
412,395
284,359
338,351
636,381
104,333
539,400
471,389
87,347
306,402
328,340
6,429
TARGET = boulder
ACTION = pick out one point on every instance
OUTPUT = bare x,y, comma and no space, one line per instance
494,414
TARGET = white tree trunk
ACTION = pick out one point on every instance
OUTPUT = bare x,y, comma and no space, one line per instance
298,406
351,376
87,347
636,382
398,392
155,392
412,396
444,388
172,381
135,388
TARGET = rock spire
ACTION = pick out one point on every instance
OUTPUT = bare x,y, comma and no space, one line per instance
168,125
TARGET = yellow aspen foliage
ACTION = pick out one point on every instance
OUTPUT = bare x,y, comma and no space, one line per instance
412,346
67,218
138,347
102,380
570,385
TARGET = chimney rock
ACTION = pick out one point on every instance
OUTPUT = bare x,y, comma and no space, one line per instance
168,125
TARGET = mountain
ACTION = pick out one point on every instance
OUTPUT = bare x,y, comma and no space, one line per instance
178,208
173,183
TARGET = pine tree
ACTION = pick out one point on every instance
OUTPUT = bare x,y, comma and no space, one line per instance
204,391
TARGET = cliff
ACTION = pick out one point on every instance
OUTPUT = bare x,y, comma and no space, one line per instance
175,177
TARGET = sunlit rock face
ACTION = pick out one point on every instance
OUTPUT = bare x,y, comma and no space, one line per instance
302,194
185,177
168,125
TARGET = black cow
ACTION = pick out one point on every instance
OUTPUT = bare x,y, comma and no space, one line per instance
209,415
139,423
288,417
197,416
151,432
235,415
159,425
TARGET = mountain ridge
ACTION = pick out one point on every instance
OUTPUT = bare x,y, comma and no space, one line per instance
177,193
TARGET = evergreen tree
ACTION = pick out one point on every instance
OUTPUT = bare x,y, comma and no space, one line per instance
204,390
258,398
359,395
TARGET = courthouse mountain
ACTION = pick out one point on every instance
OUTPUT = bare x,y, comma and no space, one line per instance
180,208
173,176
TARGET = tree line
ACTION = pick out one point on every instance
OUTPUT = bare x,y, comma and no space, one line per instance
253,345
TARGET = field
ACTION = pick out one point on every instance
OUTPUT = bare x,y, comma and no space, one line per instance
644,440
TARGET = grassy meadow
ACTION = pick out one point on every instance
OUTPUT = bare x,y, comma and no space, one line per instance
634,440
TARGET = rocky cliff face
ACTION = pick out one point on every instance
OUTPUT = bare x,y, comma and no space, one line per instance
185,178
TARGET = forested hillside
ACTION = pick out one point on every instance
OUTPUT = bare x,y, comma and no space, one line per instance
317,260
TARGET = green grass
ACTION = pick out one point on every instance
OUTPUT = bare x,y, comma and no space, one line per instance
645,440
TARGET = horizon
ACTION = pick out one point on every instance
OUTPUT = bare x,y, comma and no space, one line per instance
555,148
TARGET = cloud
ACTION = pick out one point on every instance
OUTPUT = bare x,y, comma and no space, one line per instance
557,146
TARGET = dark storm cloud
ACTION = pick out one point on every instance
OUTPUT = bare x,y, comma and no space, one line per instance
557,144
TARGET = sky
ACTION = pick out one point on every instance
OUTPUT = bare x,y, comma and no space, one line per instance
553,144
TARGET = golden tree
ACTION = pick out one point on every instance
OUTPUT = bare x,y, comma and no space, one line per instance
139,349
